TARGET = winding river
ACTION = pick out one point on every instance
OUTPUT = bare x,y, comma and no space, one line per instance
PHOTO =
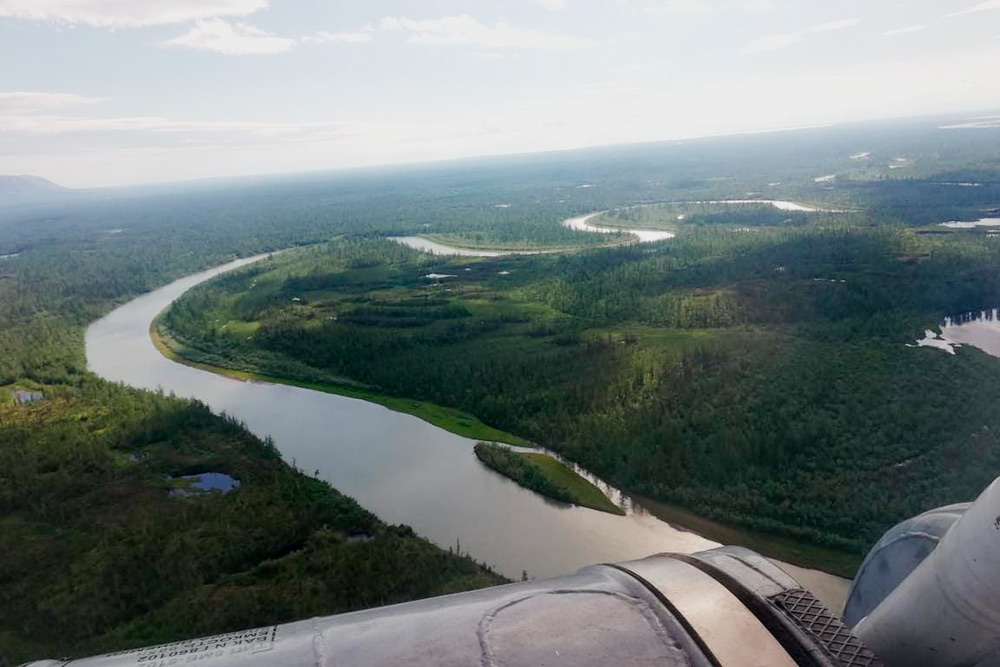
400,467
582,224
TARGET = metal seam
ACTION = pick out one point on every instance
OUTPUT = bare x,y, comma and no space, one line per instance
767,615
678,616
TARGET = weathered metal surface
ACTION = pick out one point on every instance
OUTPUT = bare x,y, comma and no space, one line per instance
895,556
946,613
729,630
670,611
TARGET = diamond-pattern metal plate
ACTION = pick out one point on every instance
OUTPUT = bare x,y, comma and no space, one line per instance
813,617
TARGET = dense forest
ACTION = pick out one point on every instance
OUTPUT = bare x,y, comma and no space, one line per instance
731,371
511,464
751,376
546,475
99,555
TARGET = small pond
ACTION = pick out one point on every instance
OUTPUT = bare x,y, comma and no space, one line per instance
980,329
203,484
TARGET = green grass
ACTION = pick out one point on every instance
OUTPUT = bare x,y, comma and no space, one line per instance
456,421
545,476
239,329
785,549
584,493
679,216
458,241
665,223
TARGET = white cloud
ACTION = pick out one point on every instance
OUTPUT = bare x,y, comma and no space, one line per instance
126,13
981,7
781,41
58,125
465,30
234,39
553,5
833,25
678,7
24,101
359,37
103,151
773,42
904,30
760,6
669,7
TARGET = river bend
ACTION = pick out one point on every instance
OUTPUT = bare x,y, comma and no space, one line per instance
400,467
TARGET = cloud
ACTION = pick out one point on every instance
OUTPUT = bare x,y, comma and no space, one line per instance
904,30
833,25
759,6
136,149
773,42
58,125
776,42
680,7
104,151
23,101
553,5
465,30
669,7
126,13
358,37
981,7
232,39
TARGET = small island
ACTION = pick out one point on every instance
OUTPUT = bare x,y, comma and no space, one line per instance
545,475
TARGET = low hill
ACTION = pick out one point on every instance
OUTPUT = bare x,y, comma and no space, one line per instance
27,186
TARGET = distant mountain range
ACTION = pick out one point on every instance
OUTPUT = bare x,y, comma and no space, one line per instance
27,186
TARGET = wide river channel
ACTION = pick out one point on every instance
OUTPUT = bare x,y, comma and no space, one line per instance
402,468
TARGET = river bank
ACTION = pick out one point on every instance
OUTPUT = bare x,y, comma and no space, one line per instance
400,467
798,554
450,419
408,471
817,568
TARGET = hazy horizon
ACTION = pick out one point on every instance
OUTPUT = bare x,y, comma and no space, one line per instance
487,157
109,93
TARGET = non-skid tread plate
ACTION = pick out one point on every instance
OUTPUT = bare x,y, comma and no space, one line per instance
814,618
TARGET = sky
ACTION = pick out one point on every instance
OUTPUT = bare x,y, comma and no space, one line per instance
116,92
